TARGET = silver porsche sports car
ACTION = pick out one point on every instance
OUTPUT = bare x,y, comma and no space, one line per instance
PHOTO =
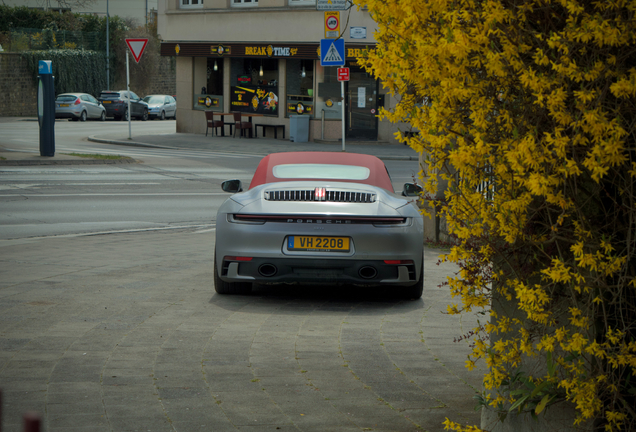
319,217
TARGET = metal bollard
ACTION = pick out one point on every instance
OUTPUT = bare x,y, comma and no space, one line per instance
31,422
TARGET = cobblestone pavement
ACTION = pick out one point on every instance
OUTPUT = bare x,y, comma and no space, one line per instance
123,332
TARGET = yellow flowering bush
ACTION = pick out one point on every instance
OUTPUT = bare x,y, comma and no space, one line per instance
527,109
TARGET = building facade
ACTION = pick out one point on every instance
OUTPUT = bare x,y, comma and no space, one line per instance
263,56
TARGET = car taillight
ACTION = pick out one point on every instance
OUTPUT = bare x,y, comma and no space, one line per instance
398,262
237,258
77,101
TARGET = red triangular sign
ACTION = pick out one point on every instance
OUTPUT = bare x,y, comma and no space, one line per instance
137,47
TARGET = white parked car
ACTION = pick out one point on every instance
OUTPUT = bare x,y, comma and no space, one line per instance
161,106
78,106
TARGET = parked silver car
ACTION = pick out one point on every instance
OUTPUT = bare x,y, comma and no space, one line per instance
319,217
78,106
161,106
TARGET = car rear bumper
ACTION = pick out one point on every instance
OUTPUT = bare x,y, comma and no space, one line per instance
67,113
323,271
115,109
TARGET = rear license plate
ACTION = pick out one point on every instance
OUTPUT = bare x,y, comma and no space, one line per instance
105,101
320,244
64,105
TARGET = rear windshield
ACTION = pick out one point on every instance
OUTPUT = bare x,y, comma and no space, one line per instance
321,171
109,95
65,98
154,99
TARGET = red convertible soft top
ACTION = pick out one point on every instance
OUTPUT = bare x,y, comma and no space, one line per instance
378,174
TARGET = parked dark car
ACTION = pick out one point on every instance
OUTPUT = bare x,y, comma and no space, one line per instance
78,106
116,104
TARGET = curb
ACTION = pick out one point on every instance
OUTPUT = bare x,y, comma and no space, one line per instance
129,143
139,144
68,162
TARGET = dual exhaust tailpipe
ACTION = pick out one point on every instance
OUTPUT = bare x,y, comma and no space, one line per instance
267,270
367,272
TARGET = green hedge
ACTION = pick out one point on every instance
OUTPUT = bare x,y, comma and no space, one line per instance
74,70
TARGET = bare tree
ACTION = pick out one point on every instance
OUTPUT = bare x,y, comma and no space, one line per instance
65,4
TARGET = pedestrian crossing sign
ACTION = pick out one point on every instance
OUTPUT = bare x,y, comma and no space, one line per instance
332,52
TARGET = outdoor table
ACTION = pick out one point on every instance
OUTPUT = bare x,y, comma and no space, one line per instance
223,114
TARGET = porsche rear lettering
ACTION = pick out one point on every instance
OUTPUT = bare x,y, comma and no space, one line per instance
318,221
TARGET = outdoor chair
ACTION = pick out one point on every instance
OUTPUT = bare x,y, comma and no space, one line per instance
239,124
212,123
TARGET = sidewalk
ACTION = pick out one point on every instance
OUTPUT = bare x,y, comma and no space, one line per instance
186,141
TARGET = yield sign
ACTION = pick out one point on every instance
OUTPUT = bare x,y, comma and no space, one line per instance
137,47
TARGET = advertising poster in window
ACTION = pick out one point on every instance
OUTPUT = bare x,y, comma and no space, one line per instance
254,99
299,108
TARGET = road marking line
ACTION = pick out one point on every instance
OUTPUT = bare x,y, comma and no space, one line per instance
205,230
112,194
133,230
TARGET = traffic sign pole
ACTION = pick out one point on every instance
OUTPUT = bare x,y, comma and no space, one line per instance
128,88
342,95
137,47
343,75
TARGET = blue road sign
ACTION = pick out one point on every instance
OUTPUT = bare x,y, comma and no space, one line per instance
45,67
332,52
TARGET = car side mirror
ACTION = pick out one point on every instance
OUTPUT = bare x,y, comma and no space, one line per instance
232,186
411,189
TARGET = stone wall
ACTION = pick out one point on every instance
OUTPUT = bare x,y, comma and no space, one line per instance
18,89
165,81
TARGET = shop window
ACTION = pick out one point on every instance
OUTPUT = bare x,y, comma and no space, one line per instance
191,4
215,76
300,87
254,85
329,98
302,2
211,96
243,3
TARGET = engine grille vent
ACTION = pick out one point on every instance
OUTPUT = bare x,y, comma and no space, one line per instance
320,195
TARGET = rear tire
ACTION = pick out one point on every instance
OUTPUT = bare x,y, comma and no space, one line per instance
125,116
103,116
83,116
222,287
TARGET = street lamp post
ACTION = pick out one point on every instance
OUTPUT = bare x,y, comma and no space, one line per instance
107,49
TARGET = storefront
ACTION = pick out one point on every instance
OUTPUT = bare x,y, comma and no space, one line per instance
279,80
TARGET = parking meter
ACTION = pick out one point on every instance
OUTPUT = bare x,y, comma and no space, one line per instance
46,108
